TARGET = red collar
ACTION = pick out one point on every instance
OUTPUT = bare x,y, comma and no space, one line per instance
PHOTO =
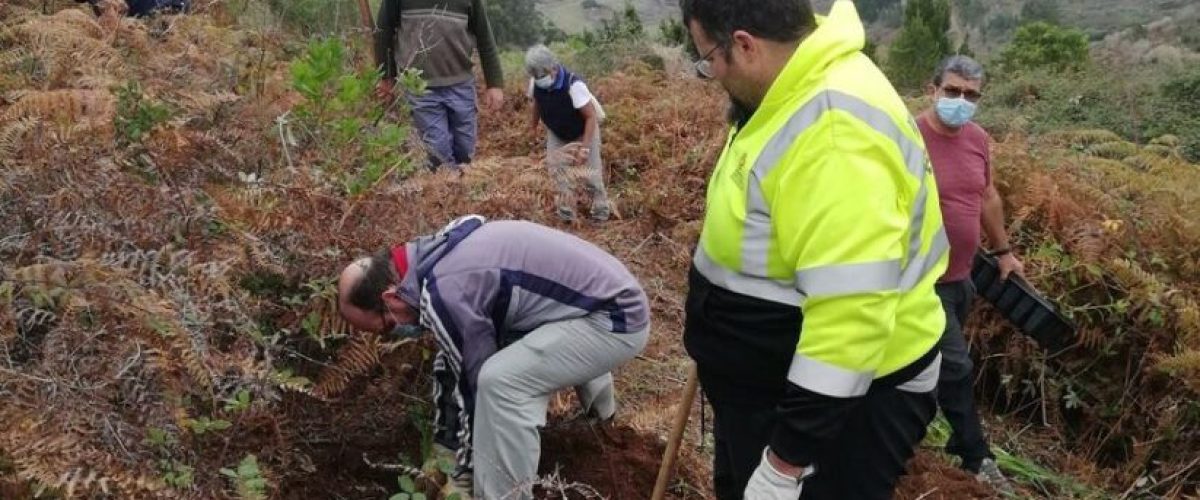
400,260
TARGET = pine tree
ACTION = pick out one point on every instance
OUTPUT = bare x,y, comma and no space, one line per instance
964,48
922,43
517,23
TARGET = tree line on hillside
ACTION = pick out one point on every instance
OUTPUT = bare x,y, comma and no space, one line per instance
1046,73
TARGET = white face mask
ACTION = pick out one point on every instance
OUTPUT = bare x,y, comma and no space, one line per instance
544,82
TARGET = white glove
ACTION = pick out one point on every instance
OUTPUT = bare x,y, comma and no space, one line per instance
767,483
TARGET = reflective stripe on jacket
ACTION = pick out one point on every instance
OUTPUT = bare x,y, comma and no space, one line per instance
824,199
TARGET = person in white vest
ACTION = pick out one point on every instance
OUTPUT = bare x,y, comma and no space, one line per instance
572,116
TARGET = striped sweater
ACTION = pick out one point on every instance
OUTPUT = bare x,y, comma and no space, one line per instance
437,37
481,286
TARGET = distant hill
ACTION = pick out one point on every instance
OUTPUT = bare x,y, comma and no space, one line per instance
574,16
989,23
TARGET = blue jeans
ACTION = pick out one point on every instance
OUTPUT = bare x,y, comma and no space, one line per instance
447,121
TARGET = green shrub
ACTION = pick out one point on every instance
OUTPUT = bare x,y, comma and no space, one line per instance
618,42
343,119
672,32
519,24
1047,11
316,16
1142,104
922,43
136,115
1043,45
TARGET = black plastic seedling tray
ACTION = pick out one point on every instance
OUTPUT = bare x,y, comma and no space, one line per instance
1018,302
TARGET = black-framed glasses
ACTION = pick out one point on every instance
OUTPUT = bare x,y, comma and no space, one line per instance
704,64
956,92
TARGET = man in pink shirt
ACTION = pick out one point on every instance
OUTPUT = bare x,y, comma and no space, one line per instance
958,149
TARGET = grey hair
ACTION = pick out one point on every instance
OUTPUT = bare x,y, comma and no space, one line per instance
539,57
960,65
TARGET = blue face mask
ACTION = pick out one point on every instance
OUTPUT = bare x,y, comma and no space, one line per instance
407,331
544,82
955,112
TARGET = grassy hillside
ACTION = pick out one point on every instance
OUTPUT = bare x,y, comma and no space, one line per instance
574,16
990,22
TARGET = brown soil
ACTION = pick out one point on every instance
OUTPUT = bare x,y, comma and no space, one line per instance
931,478
620,462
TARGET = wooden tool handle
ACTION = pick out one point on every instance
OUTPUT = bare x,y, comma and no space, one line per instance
676,437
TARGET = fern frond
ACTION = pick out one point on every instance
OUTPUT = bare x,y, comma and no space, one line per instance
1142,162
64,106
1184,367
12,56
1159,150
1082,138
29,318
1187,319
1140,283
12,136
193,362
77,20
1168,140
357,358
1114,150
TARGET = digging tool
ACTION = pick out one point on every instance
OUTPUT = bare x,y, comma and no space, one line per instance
676,437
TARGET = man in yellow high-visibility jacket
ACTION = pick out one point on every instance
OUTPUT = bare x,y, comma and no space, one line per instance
811,312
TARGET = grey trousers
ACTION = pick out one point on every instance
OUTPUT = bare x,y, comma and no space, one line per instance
515,386
565,176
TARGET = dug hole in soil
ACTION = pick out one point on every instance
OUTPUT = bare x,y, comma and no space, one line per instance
618,461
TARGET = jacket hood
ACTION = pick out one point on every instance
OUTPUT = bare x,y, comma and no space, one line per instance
837,35
426,251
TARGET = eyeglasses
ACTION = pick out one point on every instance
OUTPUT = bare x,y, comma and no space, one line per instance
704,64
956,92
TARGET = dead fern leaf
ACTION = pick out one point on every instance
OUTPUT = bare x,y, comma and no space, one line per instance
94,108
1187,321
360,356
12,136
1184,367
1141,284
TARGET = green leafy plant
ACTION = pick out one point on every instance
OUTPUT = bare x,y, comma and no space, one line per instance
672,32
408,490
343,119
160,438
136,116
204,425
285,378
1044,45
176,475
247,479
240,401
517,23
